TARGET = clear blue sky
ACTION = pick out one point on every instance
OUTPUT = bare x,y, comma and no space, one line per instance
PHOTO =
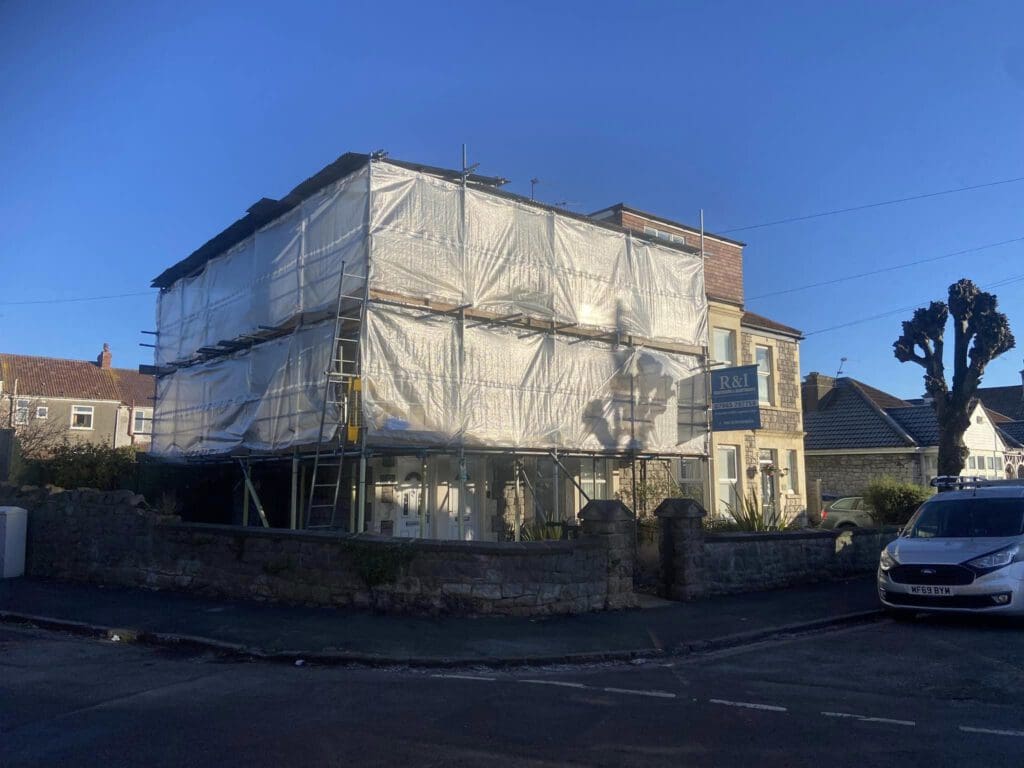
132,132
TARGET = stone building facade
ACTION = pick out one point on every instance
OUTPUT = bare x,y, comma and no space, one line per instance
767,463
848,474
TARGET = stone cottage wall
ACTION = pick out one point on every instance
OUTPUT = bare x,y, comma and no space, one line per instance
114,538
849,474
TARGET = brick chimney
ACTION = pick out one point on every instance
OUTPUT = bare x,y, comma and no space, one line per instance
103,361
814,388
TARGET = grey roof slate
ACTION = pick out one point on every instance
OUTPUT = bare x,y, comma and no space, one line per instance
919,421
1008,401
1014,430
849,418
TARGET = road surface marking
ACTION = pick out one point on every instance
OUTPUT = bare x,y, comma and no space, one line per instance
559,683
748,705
468,677
993,731
866,719
634,692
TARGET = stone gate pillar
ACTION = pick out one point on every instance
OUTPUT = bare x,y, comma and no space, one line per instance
681,548
613,523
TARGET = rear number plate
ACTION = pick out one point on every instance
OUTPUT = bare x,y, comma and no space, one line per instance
931,590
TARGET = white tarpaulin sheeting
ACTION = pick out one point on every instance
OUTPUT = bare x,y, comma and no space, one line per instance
539,392
509,256
500,387
290,266
268,398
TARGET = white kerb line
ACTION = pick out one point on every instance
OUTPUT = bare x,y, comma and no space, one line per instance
634,692
749,705
558,683
868,719
478,678
991,731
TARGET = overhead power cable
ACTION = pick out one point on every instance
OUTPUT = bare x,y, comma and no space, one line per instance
998,284
76,299
882,270
867,206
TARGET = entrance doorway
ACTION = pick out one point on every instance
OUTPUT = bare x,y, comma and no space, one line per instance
766,464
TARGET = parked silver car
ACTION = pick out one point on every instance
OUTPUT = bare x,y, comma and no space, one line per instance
963,550
847,512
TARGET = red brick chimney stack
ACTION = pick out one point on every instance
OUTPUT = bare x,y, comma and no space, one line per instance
105,357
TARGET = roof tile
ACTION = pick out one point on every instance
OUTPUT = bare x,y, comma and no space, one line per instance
57,377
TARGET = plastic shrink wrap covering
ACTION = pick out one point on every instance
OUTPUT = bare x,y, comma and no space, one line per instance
429,239
268,398
290,266
540,391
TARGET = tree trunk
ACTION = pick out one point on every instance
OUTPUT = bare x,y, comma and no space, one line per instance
952,453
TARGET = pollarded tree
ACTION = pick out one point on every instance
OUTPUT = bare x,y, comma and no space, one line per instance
981,334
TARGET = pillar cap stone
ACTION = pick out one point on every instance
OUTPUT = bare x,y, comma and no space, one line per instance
680,508
605,510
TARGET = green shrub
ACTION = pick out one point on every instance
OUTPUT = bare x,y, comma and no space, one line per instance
892,502
83,465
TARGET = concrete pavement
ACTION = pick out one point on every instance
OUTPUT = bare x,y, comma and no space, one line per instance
329,635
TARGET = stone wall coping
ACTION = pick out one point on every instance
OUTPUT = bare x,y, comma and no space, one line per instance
507,548
605,510
680,508
725,538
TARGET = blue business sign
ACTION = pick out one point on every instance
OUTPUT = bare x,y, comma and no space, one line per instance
734,403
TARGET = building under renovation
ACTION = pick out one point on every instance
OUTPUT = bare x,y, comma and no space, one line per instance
422,354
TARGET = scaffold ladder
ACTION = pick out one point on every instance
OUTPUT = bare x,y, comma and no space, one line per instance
342,390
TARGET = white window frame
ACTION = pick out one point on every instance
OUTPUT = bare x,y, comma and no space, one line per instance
727,488
42,411
140,413
690,476
792,476
21,409
83,410
768,375
730,334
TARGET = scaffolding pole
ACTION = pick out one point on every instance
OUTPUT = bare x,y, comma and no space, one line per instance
709,494
557,491
462,491
294,507
423,498
517,512
568,474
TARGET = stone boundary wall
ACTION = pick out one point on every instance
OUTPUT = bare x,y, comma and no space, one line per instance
692,563
114,538
746,562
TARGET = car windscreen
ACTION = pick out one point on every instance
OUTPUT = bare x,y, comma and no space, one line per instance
967,518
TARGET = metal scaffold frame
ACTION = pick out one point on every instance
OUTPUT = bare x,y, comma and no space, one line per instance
317,485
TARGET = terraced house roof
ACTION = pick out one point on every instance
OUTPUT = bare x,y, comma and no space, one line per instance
75,379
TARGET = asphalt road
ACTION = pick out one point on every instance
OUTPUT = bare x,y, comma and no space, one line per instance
928,693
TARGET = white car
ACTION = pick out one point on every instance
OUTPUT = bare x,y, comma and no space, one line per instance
963,550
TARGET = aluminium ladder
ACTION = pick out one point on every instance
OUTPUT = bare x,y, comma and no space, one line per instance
342,389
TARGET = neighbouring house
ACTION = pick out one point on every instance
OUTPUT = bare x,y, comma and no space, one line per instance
769,462
857,433
48,400
1008,403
